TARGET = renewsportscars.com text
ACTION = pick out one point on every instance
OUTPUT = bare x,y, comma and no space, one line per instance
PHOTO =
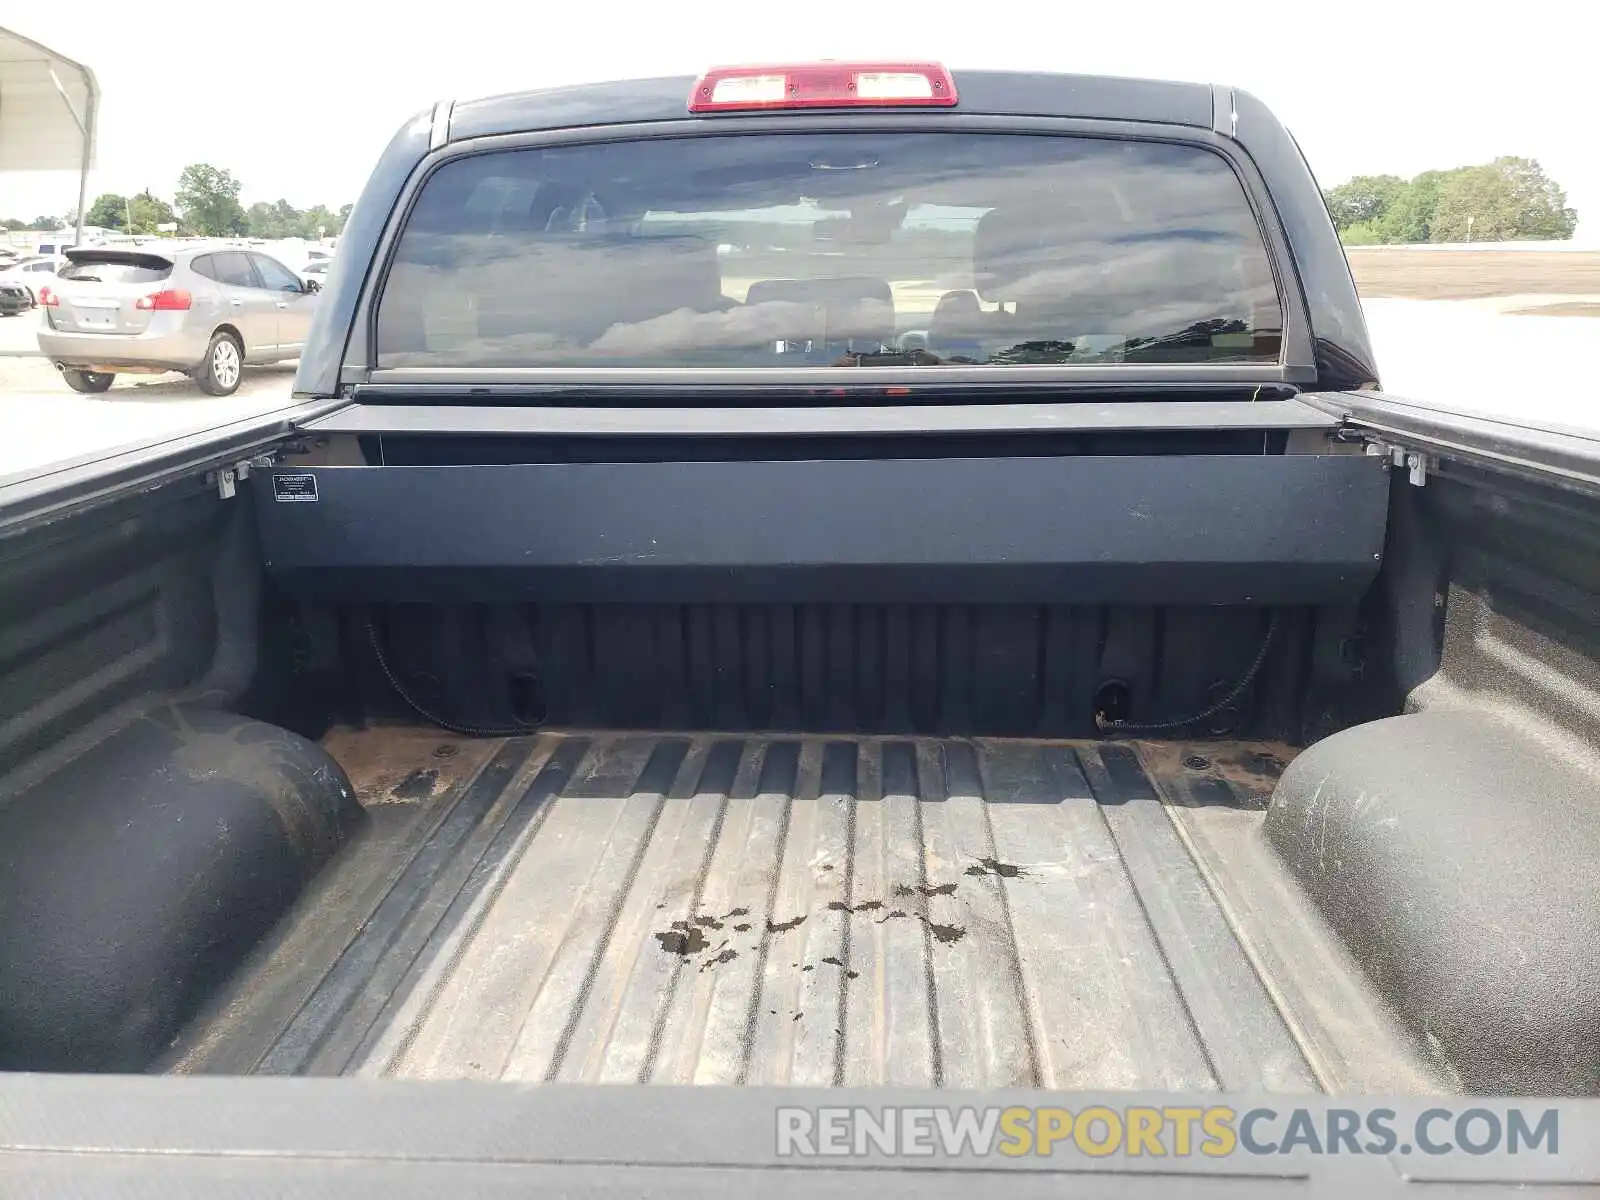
1151,1131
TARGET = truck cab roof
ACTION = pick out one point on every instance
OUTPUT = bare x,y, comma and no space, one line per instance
1002,93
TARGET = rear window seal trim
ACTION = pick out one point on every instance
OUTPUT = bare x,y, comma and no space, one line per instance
832,378
1296,362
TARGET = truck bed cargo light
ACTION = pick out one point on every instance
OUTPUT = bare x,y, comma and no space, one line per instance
823,85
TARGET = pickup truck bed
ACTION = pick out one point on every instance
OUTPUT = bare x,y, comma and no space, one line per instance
616,907
832,611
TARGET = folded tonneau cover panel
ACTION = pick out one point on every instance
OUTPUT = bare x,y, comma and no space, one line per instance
1140,529
805,911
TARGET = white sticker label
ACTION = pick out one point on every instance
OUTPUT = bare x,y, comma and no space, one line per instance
294,489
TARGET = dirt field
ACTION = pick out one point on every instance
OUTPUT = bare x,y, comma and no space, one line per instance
1573,276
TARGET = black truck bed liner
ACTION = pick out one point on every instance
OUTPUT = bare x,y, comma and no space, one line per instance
809,910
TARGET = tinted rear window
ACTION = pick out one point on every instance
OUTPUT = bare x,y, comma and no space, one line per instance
836,249
227,266
148,270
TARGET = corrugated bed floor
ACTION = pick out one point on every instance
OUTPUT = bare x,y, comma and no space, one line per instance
776,910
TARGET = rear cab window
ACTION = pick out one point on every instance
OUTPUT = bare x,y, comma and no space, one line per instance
832,249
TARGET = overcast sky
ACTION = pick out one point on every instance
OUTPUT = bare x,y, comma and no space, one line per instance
296,98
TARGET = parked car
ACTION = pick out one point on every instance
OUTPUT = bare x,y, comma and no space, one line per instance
317,269
632,666
203,310
14,298
31,272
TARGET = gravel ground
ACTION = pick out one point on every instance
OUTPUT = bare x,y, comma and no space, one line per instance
1397,273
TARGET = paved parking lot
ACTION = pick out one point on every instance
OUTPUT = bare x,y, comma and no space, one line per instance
1475,357
45,421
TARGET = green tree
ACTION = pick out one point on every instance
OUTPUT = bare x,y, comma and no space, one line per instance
279,219
208,199
1540,199
150,211
318,218
258,219
1510,199
45,223
1474,206
1362,233
342,218
13,224
108,212
1409,217
1363,200
289,220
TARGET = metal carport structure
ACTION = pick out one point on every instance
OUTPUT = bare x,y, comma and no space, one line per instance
47,112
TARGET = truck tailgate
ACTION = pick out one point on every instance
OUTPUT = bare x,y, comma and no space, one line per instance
807,911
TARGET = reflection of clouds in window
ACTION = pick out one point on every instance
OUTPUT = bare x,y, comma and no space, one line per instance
681,330
1073,240
1145,289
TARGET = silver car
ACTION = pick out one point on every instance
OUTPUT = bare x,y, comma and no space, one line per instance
203,310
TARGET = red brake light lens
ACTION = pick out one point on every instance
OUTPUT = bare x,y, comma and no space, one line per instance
48,298
169,300
823,85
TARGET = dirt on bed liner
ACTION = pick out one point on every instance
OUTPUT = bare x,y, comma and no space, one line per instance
649,908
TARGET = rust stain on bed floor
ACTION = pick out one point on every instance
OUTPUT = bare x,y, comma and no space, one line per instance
383,762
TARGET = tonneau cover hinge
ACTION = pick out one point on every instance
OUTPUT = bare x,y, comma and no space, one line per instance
226,479
1413,462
